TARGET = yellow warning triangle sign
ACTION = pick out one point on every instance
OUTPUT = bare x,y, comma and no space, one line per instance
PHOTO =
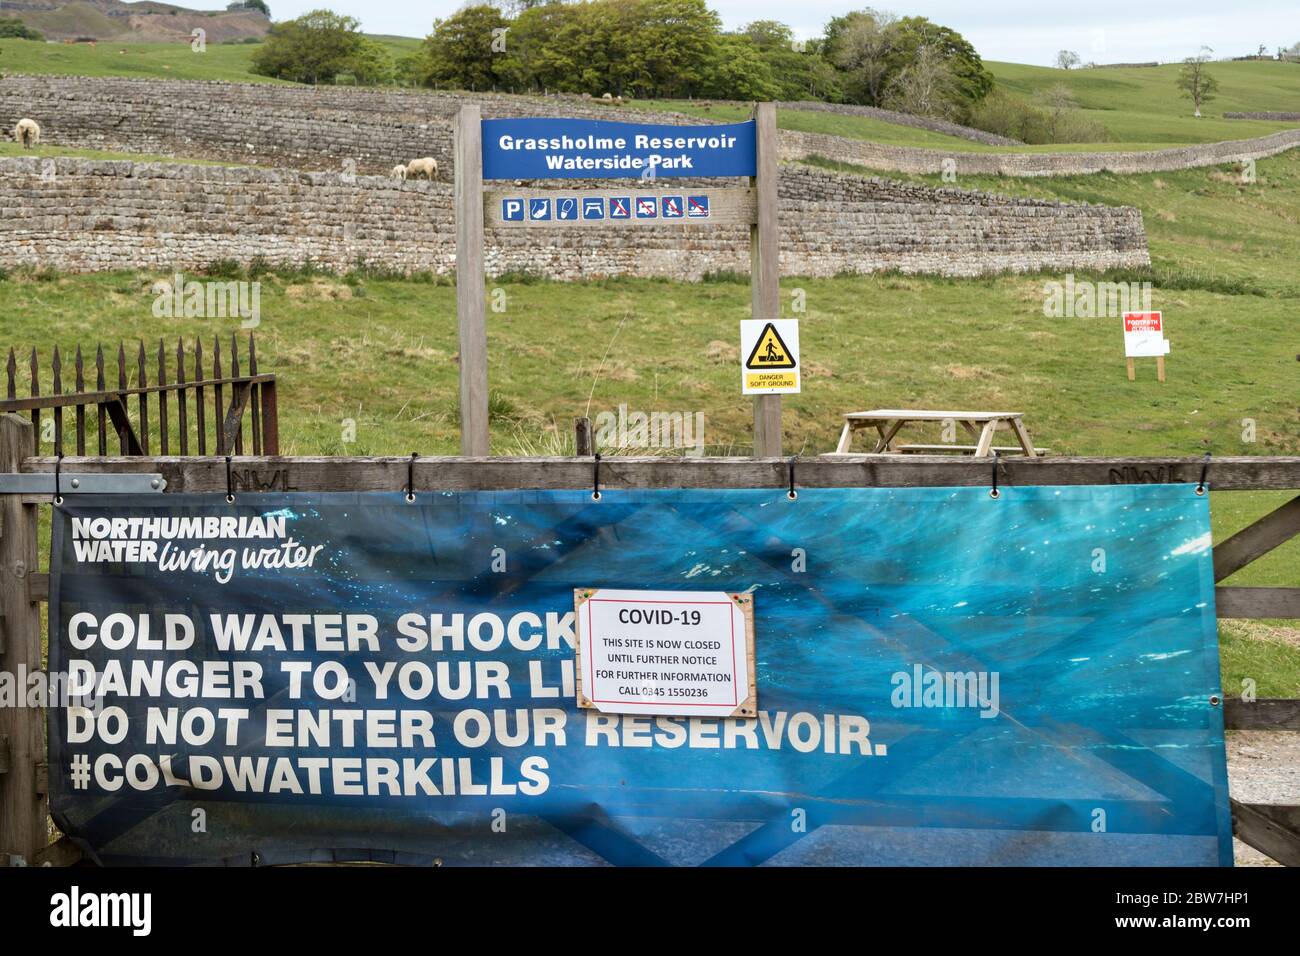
770,351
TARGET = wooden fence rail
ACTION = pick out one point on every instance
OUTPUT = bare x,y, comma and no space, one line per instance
1274,829
153,427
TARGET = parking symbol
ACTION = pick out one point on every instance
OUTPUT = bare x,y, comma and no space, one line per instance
566,207
672,207
620,207
512,210
539,209
646,208
697,207
593,207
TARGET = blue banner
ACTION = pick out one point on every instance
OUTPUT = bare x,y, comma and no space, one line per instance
942,678
597,149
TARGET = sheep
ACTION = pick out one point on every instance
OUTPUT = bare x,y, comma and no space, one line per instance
399,171
27,132
426,166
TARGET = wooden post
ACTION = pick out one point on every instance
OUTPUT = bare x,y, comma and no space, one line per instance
583,445
765,270
1160,368
22,807
471,306
1132,371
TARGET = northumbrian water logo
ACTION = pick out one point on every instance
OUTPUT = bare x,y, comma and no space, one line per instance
205,544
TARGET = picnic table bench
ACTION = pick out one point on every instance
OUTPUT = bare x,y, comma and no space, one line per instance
981,426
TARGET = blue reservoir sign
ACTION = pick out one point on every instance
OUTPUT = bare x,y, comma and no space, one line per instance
595,149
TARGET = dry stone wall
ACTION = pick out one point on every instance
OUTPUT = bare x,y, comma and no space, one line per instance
1277,117
84,215
325,128
904,119
298,127
797,145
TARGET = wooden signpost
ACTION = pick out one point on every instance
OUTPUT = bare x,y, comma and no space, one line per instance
521,150
765,271
471,295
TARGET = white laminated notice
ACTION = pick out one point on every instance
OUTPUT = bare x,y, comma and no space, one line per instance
665,652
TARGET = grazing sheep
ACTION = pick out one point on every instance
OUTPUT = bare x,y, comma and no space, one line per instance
27,132
607,96
426,166
399,171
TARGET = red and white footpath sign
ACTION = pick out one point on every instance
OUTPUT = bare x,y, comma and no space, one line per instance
686,653
1144,335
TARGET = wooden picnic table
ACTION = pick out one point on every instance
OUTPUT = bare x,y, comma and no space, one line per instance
981,426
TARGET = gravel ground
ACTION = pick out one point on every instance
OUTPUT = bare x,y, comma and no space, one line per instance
1263,767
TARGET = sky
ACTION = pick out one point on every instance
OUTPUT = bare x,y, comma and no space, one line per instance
1019,31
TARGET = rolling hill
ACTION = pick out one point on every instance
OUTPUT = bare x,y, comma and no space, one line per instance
1142,104
143,21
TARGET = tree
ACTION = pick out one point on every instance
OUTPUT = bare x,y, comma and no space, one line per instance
873,50
658,48
1058,103
459,53
1195,80
13,28
319,46
675,39
925,87
251,5
371,64
738,71
972,81
798,68
1067,60
768,34
858,44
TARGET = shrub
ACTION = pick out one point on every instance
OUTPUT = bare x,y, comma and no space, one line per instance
11,28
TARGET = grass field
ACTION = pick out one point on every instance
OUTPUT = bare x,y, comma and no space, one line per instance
219,61
1140,135
1143,104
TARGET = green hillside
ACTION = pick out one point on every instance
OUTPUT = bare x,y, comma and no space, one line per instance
1142,104
220,61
